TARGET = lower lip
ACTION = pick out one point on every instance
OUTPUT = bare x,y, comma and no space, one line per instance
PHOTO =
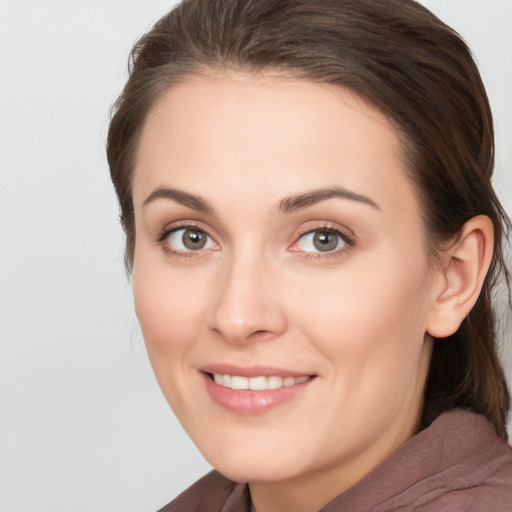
247,401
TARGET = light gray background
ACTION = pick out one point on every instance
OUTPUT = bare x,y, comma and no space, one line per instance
83,425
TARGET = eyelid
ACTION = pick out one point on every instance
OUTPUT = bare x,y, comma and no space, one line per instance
184,225
346,235
174,226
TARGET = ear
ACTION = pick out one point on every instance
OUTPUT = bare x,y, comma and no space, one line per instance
462,271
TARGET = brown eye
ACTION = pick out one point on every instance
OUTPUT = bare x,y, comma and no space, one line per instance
189,239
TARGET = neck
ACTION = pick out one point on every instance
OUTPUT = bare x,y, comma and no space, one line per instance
310,491
305,494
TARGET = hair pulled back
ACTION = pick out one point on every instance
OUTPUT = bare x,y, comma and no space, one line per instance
402,59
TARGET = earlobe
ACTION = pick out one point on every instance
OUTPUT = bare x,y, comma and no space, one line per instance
464,267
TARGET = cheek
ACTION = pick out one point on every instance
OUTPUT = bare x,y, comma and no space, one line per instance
170,313
368,323
168,308
369,313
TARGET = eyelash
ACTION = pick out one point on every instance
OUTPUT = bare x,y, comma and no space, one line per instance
166,232
346,239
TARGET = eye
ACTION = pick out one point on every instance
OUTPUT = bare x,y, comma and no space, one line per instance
188,239
323,240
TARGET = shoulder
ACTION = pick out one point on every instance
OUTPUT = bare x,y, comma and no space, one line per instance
208,494
466,466
456,464
477,476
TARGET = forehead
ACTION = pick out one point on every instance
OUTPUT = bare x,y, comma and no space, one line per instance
266,137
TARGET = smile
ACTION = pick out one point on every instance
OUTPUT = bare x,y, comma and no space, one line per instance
260,383
256,393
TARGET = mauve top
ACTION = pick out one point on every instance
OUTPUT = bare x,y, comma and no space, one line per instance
456,464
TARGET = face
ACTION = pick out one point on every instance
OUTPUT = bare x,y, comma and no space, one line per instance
280,277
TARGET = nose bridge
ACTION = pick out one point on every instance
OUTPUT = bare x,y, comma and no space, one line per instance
246,305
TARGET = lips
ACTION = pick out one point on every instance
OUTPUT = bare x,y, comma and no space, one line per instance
253,390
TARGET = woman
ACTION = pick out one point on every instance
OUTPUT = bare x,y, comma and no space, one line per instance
314,240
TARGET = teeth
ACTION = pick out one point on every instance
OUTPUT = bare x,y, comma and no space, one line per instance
261,383
288,381
258,383
239,382
274,382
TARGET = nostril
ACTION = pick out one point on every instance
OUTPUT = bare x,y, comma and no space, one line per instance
260,332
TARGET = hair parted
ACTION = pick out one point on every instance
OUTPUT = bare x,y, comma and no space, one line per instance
402,59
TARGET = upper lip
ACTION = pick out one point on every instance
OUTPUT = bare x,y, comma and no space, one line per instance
252,371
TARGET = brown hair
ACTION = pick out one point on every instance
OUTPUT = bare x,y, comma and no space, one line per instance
401,58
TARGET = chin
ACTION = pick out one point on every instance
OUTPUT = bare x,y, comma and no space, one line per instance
247,472
261,464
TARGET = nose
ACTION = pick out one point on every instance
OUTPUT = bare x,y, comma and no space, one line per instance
246,307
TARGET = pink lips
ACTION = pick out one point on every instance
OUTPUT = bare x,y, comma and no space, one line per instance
248,401
252,371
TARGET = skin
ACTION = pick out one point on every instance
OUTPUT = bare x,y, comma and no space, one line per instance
259,293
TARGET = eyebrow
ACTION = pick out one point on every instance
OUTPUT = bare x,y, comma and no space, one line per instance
189,200
299,201
287,205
